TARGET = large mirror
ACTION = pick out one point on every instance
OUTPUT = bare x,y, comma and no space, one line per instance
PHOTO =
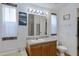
37,25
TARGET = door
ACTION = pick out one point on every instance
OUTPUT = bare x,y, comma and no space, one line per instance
78,35
78,30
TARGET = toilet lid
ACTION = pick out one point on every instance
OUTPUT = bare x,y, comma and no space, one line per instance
61,47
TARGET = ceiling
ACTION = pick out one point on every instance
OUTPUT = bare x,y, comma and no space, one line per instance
49,5
54,5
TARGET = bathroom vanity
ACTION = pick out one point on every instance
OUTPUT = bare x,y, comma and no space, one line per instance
42,47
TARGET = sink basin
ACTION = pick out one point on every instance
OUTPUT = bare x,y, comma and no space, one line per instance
37,41
41,40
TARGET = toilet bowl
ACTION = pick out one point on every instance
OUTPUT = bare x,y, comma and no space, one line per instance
62,50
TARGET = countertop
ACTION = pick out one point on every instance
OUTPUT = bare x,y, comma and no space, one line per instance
42,40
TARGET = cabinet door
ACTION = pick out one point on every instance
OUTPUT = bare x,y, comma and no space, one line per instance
35,50
45,49
52,49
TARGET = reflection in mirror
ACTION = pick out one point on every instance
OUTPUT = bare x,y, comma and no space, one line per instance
46,28
30,25
38,29
37,25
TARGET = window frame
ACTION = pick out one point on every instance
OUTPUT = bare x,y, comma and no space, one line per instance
54,34
5,21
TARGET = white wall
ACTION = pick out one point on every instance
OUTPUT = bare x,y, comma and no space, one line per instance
67,29
0,22
22,30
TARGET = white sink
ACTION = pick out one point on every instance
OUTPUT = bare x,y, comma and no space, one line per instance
36,41
49,39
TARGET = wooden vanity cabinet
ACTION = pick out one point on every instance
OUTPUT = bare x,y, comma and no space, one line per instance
34,50
43,49
52,49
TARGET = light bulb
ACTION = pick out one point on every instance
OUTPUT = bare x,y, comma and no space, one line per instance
46,13
40,12
37,11
30,9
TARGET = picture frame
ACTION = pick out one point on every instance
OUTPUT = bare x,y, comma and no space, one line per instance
22,18
66,17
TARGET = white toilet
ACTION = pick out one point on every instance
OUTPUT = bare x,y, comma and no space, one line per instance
62,50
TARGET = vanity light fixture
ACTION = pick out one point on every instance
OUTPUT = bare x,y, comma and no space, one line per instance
30,10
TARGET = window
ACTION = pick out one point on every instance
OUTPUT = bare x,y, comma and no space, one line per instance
9,21
53,24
